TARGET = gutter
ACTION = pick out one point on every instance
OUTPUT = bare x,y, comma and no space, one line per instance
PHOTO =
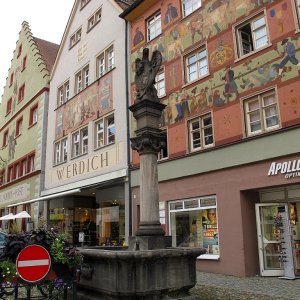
128,128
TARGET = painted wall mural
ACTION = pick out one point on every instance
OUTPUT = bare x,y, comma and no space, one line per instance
226,85
228,79
95,101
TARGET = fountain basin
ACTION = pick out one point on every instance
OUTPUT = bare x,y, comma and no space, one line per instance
146,274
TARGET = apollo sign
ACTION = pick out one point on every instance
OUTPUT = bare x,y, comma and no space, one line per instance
290,168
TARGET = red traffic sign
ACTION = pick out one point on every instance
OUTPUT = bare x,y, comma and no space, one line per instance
33,263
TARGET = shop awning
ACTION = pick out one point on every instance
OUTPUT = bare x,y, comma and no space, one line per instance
46,197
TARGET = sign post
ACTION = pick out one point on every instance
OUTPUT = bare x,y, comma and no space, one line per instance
33,263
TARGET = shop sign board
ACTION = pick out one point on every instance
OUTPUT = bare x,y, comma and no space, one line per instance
33,263
18,193
290,169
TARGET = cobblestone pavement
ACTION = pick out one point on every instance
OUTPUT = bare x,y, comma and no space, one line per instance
215,286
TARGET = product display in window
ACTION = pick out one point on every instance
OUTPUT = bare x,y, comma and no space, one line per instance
195,228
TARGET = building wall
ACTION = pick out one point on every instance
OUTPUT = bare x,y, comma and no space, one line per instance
231,79
30,141
109,87
235,168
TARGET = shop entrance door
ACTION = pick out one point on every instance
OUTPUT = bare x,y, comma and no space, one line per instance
269,238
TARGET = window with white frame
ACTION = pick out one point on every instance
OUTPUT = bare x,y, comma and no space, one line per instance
188,6
252,35
80,141
201,132
261,113
83,3
160,83
163,153
94,19
75,38
196,65
63,93
154,26
194,223
104,131
61,151
105,61
82,79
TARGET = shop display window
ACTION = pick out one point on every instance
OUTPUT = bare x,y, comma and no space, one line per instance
193,223
102,223
110,221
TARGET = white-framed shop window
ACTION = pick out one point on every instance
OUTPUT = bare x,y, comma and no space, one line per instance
194,223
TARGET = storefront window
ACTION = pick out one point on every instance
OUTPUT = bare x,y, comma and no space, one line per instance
193,223
111,223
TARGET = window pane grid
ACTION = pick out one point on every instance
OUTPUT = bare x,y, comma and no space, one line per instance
154,27
104,132
197,65
262,113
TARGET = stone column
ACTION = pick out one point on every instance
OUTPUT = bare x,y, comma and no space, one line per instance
148,142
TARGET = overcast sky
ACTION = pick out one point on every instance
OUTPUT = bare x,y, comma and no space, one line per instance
47,20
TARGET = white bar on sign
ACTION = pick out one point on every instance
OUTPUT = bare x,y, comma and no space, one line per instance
36,262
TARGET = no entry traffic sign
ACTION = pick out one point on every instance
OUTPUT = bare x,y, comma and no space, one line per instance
33,263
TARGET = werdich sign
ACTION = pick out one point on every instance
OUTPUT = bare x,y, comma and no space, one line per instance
33,263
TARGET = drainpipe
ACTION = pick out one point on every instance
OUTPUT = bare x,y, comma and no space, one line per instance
128,128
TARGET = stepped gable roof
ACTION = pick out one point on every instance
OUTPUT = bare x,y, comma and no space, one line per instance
48,51
124,4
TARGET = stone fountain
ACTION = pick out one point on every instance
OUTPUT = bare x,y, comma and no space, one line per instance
150,269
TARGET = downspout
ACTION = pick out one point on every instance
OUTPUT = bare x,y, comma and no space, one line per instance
128,128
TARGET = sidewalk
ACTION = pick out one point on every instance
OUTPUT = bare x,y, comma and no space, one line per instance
215,286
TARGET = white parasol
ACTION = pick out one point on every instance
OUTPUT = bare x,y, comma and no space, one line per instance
7,217
22,214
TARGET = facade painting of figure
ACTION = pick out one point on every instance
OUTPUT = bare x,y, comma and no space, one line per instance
289,55
138,37
230,85
171,14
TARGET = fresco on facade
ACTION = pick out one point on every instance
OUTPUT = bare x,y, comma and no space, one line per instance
173,76
105,93
91,102
59,122
15,89
279,16
221,55
170,12
228,80
228,84
80,109
12,142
